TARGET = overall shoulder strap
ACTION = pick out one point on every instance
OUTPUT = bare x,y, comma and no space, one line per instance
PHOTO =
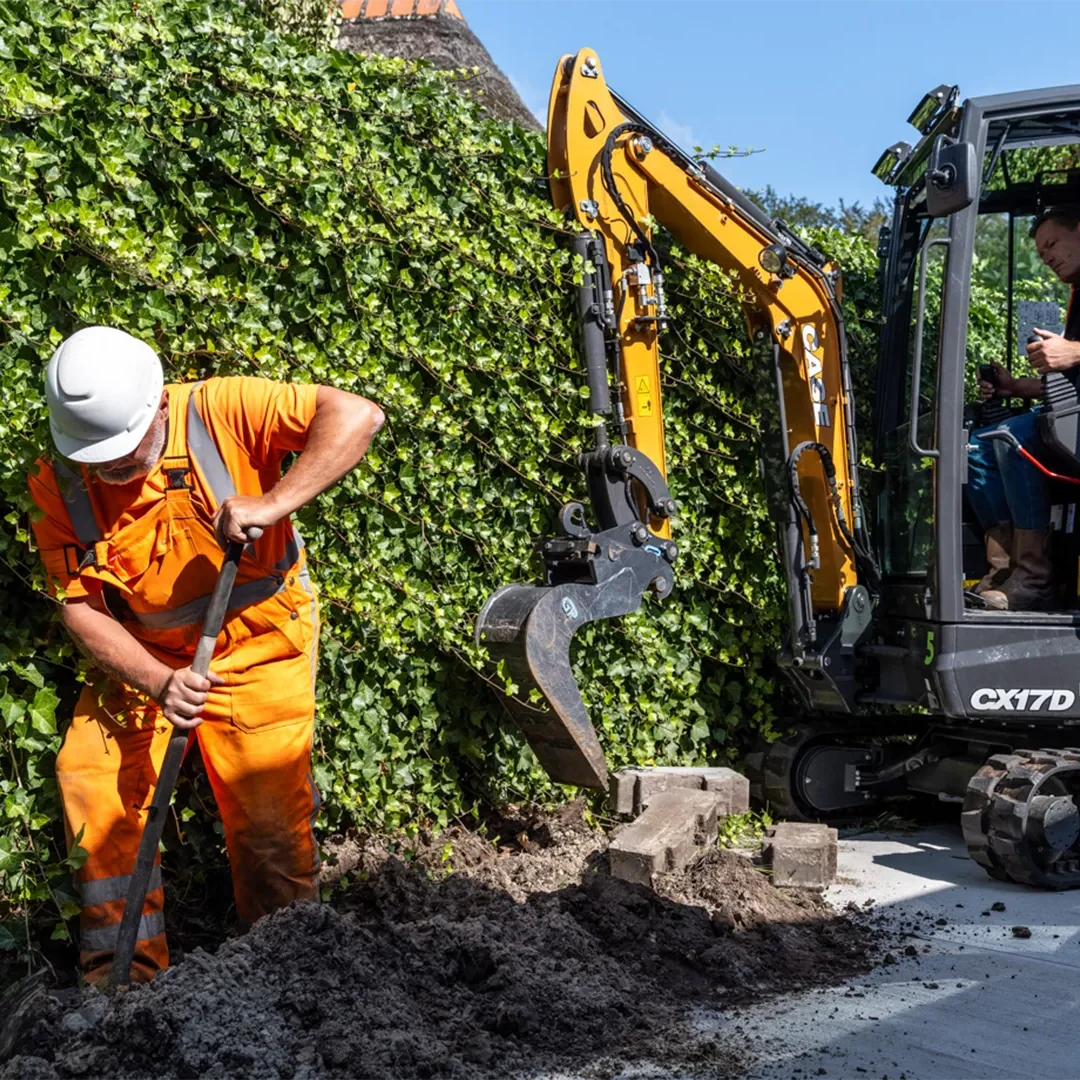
205,453
80,511
206,456
72,488
175,462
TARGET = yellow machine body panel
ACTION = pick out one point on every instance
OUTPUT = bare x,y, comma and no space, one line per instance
799,311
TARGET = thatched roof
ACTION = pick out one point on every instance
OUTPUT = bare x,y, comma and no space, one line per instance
432,30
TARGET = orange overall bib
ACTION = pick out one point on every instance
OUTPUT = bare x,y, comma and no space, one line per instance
256,733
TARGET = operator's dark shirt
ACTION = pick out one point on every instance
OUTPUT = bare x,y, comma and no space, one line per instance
1072,318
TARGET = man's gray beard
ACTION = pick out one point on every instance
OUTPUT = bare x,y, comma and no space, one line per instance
153,455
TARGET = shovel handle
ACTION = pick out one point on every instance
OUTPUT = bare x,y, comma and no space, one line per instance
219,603
128,934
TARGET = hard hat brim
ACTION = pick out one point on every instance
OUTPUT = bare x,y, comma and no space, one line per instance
95,452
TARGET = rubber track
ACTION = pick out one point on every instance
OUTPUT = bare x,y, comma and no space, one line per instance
995,816
769,771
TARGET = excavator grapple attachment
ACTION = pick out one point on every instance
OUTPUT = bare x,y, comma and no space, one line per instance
530,627
590,572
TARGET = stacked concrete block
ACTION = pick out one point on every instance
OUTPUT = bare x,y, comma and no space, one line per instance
801,854
678,825
634,790
676,810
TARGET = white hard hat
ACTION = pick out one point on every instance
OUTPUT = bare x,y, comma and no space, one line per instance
103,387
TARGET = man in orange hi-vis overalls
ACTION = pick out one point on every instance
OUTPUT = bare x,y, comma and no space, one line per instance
146,479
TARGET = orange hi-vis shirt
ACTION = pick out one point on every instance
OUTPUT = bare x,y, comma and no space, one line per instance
254,423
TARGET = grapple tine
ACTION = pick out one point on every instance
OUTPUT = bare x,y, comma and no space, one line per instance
530,627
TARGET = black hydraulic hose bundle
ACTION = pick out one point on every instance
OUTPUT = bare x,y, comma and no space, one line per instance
612,188
800,503
864,558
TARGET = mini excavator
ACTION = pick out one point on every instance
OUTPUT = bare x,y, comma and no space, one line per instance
904,683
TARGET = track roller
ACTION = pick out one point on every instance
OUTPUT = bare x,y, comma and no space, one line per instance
804,775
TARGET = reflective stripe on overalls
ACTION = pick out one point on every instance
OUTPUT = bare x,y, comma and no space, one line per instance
256,735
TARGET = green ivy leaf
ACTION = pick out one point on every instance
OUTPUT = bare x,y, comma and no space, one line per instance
43,711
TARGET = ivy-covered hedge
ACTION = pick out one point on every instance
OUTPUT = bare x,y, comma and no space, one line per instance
247,205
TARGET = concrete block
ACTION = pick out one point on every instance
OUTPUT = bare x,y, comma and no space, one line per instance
679,824
633,790
621,791
732,788
801,854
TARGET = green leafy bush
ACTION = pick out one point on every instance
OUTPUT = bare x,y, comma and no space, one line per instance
249,206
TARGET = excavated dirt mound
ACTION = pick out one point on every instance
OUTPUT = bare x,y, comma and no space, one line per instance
521,962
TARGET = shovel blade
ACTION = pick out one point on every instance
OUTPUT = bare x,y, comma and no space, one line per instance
530,627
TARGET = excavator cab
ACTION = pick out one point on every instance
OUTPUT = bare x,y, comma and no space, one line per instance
905,682
947,270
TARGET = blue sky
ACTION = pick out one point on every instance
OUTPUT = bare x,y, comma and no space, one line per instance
822,87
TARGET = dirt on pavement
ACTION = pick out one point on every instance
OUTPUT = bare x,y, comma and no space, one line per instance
466,961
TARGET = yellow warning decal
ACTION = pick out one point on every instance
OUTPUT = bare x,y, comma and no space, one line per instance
643,386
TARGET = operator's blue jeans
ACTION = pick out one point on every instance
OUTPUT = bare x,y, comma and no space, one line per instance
1003,486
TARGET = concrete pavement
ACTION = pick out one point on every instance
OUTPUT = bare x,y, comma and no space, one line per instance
974,1001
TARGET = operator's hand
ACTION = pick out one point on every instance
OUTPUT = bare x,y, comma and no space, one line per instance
1052,352
1004,388
238,513
183,696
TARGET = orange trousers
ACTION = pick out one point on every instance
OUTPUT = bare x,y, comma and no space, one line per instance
255,741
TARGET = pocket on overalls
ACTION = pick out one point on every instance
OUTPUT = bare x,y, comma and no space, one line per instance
276,627
136,562
270,677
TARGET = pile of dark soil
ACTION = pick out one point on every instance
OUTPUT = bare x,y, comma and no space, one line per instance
520,962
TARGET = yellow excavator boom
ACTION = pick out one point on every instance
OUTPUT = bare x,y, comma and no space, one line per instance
618,175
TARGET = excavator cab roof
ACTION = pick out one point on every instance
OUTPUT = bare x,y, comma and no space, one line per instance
1032,162
1024,123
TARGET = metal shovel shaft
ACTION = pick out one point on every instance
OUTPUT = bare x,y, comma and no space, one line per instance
120,973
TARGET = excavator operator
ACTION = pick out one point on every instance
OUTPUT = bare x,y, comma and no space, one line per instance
1008,494
149,477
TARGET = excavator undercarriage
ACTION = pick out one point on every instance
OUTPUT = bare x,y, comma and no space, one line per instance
905,684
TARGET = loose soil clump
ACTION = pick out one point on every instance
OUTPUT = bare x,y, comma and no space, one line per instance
518,962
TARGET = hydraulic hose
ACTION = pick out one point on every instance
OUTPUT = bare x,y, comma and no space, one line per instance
608,177
863,556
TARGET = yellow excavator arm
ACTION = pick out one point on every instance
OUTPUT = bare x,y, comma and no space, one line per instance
617,174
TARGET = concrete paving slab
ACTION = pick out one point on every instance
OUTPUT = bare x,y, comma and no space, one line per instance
633,789
800,854
678,826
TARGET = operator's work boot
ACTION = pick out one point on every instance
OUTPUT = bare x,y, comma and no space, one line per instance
1029,586
999,539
